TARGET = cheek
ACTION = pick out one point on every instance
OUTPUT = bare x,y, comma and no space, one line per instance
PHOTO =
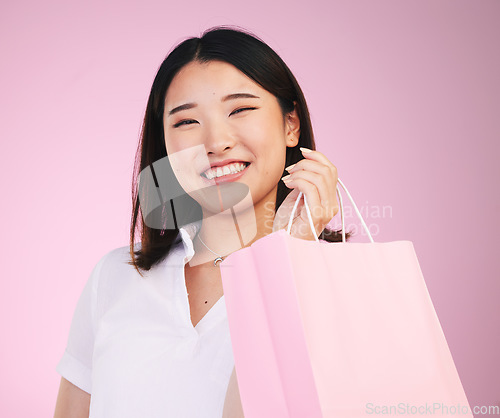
270,151
175,140
173,143
265,134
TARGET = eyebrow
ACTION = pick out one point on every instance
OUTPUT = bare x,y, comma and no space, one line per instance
224,99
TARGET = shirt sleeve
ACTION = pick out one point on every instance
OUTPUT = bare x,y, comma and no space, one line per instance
76,362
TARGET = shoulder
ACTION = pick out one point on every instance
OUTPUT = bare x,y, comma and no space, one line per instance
112,260
110,277
117,262
111,266
118,256
116,265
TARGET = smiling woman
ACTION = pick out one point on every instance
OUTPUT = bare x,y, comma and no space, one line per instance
150,335
215,88
256,138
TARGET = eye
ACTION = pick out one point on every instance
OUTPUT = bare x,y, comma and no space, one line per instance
191,121
241,109
184,122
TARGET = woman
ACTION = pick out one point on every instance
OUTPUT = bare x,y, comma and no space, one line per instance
150,336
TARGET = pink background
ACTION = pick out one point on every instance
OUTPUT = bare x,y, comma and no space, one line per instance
404,98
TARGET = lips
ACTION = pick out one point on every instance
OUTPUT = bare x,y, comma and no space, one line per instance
225,178
227,170
224,165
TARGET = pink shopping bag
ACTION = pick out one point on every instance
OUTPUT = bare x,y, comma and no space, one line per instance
336,330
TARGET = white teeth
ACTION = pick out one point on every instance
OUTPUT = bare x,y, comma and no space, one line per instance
223,171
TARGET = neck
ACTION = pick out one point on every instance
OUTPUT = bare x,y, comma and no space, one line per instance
234,229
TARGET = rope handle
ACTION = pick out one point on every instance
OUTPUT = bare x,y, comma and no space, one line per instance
311,224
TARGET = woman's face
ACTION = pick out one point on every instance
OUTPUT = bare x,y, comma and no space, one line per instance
214,113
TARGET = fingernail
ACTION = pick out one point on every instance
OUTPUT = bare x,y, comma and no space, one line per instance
306,150
290,167
286,178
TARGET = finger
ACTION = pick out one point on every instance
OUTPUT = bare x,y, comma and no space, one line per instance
313,200
326,171
326,193
317,156
312,157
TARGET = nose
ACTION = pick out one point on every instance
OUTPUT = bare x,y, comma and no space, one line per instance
218,138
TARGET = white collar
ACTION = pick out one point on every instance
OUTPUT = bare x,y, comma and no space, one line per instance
188,233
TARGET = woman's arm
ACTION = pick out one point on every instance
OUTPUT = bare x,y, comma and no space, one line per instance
232,404
72,402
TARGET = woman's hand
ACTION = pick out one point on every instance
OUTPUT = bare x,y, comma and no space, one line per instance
316,177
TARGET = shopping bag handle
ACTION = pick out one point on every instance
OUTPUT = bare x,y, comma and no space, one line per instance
311,224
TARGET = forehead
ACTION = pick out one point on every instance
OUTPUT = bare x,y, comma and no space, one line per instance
197,81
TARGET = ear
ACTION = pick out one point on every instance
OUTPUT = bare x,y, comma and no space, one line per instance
292,125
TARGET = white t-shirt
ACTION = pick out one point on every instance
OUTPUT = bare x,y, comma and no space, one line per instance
133,347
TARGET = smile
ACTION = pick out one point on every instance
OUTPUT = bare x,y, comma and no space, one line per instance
226,170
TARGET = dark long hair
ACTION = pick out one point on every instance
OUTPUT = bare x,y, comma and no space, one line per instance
255,59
